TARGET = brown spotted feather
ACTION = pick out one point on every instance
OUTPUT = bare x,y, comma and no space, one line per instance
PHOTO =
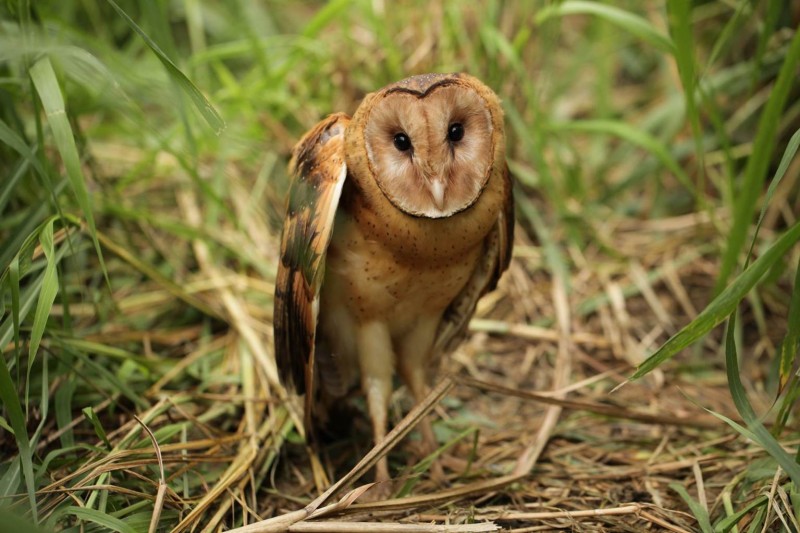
495,261
319,171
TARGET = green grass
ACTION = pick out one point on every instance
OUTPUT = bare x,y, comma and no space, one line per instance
143,148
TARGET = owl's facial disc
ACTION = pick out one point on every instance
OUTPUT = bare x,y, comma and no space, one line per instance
432,154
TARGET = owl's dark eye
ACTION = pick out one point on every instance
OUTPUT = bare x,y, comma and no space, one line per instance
402,142
455,132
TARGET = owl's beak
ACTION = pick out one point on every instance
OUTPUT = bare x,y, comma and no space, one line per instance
437,186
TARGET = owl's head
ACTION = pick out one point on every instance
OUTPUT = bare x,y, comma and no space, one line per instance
429,142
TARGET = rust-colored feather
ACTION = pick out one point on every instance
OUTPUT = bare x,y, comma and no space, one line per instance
506,231
495,261
319,170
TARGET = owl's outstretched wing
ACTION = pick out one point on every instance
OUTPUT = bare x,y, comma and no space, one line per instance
319,171
494,261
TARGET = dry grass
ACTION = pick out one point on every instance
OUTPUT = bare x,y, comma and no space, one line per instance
545,440
607,459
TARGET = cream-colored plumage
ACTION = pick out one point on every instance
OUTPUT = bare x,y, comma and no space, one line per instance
422,228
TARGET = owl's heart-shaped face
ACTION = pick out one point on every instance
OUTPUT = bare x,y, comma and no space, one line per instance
431,151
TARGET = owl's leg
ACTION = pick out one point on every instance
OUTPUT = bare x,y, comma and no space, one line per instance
414,359
376,359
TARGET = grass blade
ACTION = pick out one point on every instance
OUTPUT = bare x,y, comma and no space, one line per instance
10,137
17,419
740,16
146,269
10,248
757,431
791,341
44,78
92,417
11,181
325,16
626,20
8,389
425,464
13,522
9,482
634,136
679,12
8,395
211,116
774,10
723,305
729,522
699,512
108,379
788,155
13,281
100,518
758,162
47,294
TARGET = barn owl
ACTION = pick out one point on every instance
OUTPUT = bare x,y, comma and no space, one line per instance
398,220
